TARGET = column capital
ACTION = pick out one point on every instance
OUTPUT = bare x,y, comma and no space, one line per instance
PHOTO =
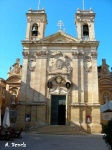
25,55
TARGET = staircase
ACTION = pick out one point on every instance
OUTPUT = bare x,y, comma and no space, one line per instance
60,130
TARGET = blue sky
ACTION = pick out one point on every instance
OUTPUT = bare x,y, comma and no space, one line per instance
13,26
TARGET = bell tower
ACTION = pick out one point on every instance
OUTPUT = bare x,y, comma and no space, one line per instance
36,23
85,24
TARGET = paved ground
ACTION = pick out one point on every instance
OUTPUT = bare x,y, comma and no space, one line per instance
55,142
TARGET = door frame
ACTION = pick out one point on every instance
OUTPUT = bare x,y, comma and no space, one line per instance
49,110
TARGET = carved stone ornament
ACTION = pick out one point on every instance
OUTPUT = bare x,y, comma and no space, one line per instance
59,90
75,55
32,63
56,54
25,55
88,64
94,55
61,65
59,85
81,54
16,68
41,54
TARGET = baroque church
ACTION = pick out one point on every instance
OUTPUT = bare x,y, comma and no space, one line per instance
59,82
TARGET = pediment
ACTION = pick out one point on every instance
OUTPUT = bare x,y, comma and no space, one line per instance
59,37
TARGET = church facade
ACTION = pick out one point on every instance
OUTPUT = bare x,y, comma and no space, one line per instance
59,82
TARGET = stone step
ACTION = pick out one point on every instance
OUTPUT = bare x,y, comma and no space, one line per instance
60,130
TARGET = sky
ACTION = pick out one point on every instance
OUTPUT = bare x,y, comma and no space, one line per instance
13,26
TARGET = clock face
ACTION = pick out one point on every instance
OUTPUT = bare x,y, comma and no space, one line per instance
58,79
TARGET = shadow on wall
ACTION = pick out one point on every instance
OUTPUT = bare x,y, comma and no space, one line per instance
31,108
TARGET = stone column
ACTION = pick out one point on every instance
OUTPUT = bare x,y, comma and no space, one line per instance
79,29
43,79
30,78
95,96
28,31
83,117
37,79
40,77
75,77
75,116
81,78
89,75
24,76
95,125
87,79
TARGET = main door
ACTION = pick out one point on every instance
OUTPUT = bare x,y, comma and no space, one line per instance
58,109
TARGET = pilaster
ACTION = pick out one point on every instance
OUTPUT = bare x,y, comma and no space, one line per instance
43,84
28,29
40,76
75,76
87,78
81,77
24,76
38,79
95,98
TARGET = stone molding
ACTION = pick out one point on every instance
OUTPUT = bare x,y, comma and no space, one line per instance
29,20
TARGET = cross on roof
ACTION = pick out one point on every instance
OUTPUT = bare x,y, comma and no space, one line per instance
60,24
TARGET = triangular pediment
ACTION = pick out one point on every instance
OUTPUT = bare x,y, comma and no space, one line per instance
59,37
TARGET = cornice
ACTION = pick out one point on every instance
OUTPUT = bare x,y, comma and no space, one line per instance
78,44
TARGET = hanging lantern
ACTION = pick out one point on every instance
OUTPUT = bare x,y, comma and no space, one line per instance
68,85
49,85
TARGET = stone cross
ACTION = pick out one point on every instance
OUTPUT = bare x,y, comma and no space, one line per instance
60,24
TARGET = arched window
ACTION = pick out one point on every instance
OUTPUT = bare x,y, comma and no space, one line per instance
34,30
85,30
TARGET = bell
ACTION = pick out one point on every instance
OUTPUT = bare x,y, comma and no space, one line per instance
34,28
